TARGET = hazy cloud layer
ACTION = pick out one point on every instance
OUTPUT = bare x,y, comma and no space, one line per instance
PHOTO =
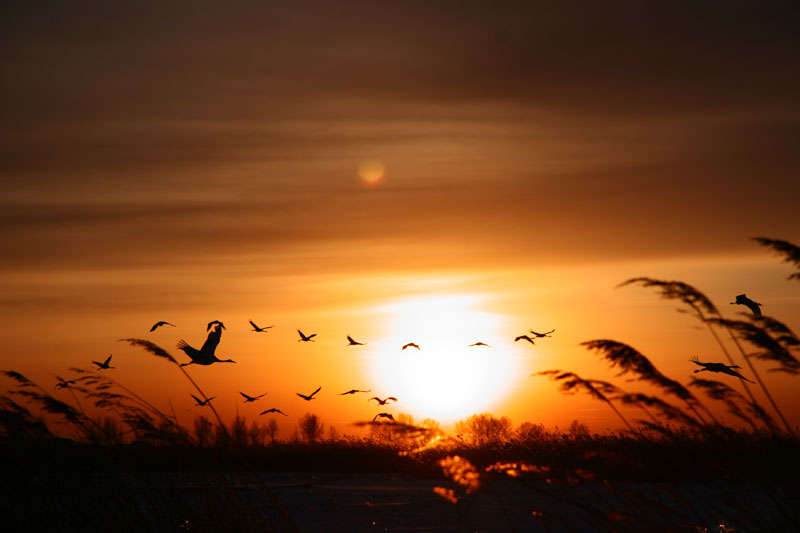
140,135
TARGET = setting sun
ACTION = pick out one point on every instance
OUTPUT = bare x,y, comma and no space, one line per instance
445,378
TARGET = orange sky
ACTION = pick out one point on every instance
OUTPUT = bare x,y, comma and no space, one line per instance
192,162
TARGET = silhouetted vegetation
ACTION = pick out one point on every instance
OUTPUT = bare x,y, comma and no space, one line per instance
49,444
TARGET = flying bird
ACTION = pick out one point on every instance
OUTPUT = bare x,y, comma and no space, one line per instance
310,396
200,402
159,324
755,307
64,383
383,402
353,391
383,415
248,399
273,410
104,365
719,367
479,343
542,335
215,322
258,329
205,355
524,337
304,338
353,342
410,345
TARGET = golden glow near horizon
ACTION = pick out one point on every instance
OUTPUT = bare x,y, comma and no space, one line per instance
445,379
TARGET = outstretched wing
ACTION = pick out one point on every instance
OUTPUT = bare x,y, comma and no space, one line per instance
194,353
696,361
108,360
391,398
155,326
253,324
198,400
316,391
210,346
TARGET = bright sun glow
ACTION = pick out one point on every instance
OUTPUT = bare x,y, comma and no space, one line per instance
371,171
446,379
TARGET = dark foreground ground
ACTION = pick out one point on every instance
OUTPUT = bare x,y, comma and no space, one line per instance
292,501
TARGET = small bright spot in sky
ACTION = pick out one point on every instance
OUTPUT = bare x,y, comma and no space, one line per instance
371,171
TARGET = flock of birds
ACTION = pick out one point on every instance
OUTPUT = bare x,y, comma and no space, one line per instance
206,355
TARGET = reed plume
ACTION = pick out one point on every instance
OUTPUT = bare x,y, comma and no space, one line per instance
722,392
161,352
770,349
629,360
570,383
701,305
667,410
790,252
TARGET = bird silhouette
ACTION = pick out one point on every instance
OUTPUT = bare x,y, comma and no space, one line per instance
383,415
248,399
353,342
719,367
104,365
215,322
64,383
542,335
273,410
200,402
159,324
410,345
205,355
353,391
258,329
384,401
524,337
755,307
310,396
304,338
479,343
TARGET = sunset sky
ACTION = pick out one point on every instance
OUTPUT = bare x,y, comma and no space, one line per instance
437,172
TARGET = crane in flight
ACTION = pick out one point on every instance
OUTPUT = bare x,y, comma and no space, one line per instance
353,342
479,343
306,338
410,345
524,338
210,324
353,391
249,399
273,410
200,402
383,415
310,396
719,367
159,324
384,401
105,365
258,329
205,355
542,335
742,299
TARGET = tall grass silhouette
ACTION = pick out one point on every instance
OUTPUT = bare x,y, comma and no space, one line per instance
702,306
790,252
567,473
162,353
